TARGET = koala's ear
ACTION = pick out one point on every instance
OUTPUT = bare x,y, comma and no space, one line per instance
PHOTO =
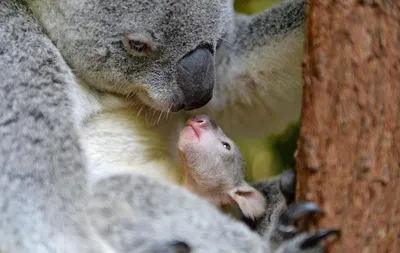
250,201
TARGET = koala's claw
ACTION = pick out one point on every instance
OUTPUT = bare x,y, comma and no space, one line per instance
174,246
295,212
287,185
179,247
313,239
292,230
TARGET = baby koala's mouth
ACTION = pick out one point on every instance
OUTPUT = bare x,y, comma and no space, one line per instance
192,131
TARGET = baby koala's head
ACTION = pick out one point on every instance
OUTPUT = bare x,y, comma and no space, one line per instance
214,166
209,156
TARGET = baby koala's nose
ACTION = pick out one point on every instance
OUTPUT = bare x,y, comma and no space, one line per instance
203,122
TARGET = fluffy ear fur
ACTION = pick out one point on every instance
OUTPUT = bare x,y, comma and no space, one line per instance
250,201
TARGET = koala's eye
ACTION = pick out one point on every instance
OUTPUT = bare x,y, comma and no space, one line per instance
226,145
139,44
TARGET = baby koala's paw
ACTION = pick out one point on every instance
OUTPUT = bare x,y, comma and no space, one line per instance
290,233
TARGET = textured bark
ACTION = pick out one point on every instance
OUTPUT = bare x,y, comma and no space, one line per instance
348,157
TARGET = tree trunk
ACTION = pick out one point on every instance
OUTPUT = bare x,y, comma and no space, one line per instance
348,157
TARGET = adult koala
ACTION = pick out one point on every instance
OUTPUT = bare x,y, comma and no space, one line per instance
137,61
44,198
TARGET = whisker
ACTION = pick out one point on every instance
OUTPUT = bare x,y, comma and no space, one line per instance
168,111
159,118
152,117
208,107
231,46
140,110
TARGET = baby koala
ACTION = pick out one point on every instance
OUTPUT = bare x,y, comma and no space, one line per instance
213,167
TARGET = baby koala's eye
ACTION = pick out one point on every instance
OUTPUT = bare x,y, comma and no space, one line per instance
226,145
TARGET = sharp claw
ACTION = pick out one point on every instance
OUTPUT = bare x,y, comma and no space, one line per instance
314,239
178,247
287,185
298,210
293,214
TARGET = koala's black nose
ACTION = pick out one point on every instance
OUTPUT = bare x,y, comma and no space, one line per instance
196,78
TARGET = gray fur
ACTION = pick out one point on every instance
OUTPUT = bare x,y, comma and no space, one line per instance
162,213
41,166
45,202
275,204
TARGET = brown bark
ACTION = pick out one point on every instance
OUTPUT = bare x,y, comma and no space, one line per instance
348,157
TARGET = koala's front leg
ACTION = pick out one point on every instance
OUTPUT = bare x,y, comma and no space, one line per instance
289,233
283,225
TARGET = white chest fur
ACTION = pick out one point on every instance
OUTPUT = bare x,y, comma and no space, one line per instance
119,137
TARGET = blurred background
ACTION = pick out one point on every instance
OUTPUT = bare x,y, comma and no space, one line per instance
272,154
253,6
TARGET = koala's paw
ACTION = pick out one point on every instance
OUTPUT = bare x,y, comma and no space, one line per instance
291,234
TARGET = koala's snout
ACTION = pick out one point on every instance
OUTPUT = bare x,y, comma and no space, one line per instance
196,78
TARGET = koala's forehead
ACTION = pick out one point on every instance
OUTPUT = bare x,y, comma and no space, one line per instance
168,19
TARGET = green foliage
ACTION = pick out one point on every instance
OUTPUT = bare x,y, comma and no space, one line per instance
253,6
284,145
272,154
